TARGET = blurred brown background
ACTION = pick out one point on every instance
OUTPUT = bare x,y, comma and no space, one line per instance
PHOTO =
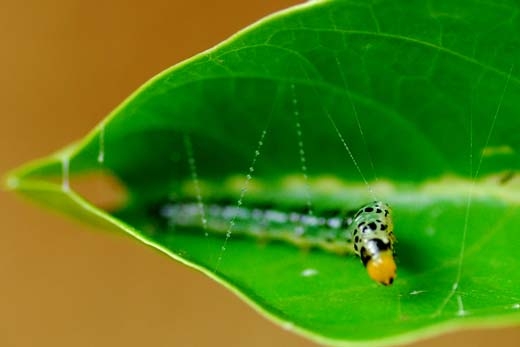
64,64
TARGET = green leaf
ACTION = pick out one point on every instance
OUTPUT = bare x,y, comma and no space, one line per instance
331,104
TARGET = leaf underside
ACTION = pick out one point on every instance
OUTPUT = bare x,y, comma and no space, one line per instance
331,104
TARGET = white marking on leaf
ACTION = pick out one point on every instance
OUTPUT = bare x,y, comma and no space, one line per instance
417,292
101,152
65,168
309,272
461,312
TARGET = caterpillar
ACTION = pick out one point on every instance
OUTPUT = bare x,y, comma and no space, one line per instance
367,233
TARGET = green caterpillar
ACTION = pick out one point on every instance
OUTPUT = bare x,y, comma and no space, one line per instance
368,233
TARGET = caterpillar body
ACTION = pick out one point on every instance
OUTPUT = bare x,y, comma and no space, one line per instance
367,233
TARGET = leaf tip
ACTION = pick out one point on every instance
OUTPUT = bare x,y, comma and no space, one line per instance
11,181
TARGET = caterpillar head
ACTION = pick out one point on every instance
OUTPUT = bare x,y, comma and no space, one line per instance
382,268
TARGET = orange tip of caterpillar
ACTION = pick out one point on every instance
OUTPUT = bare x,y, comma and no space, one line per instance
382,268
